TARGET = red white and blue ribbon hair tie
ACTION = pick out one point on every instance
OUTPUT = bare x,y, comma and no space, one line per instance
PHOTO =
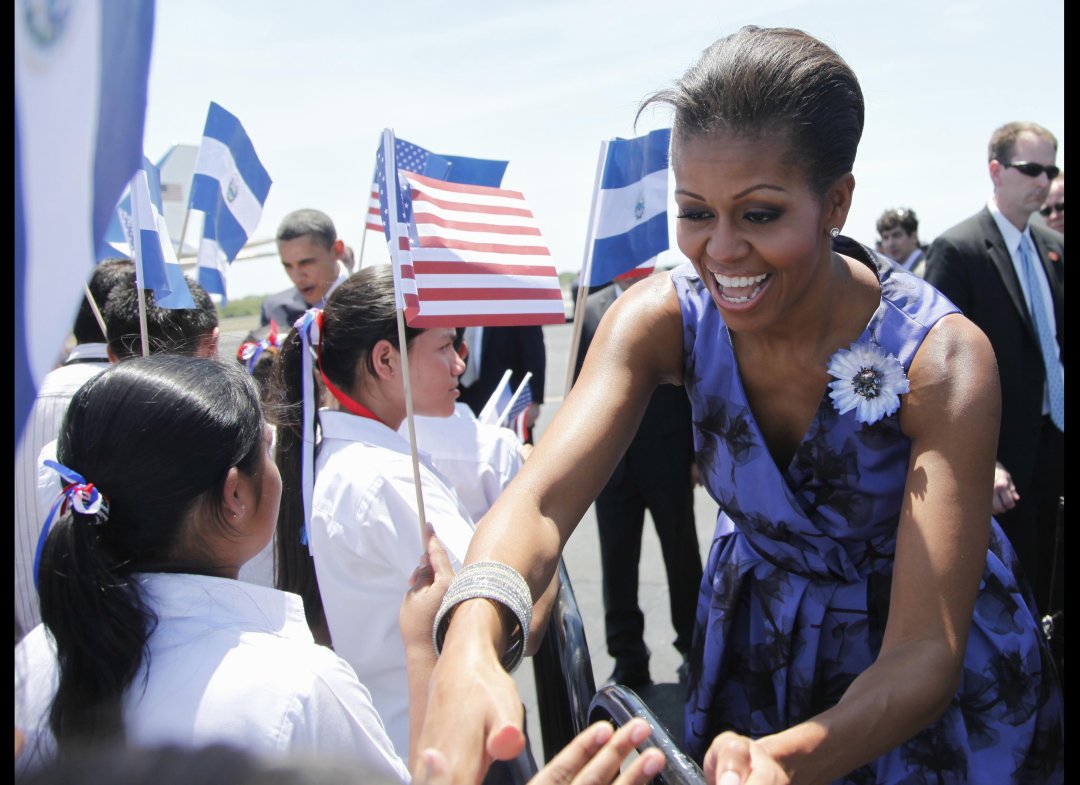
250,352
310,328
78,495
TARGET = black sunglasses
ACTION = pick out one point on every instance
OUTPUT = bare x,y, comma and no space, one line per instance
1056,206
1032,170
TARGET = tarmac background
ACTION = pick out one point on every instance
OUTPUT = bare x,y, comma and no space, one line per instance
582,556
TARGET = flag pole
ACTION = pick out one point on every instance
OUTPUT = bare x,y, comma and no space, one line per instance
183,231
137,255
94,307
586,273
363,241
407,381
390,170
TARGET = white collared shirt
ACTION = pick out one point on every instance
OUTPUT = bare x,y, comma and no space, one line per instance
479,459
913,257
228,663
365,538
1012,236
86,361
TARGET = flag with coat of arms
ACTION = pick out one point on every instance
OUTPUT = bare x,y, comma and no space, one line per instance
229,187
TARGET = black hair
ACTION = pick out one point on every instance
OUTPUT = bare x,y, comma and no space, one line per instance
106,275
359,313
904,217
157,437
773,82
308,223
169,330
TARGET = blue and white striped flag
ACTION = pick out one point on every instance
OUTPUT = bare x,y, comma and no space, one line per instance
156,266
630,225
230,187
80,104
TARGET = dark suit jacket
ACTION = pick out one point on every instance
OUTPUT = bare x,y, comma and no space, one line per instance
284,308
521,349
971,266
665,434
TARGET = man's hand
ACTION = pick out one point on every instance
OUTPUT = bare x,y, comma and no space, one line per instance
1005,495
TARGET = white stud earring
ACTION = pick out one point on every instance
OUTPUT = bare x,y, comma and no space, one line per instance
834,232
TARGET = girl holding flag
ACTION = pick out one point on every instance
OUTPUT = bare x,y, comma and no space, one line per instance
363,536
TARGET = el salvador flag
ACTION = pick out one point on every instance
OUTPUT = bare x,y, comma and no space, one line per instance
156,266
230,188
80,105
631,210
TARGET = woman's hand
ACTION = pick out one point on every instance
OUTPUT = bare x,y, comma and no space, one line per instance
594,757
737,760
427,586
474,712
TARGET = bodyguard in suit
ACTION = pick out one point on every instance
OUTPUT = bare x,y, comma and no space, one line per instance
309,249
1007,275
654,474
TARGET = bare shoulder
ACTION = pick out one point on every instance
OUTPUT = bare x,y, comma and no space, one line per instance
954,379
644,329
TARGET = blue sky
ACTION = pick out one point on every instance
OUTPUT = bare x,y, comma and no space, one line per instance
542,83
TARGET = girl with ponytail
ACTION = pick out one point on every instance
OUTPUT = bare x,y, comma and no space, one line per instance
362,535
147,636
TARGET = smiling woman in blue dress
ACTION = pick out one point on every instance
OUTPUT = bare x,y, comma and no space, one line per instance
859,619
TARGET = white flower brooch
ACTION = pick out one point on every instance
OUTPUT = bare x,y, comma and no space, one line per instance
867,380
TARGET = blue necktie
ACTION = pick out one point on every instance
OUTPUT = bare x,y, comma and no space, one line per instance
1055,375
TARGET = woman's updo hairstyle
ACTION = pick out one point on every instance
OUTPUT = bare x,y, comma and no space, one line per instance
156,436
773,82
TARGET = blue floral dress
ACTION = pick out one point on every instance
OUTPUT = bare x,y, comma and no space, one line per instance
796,590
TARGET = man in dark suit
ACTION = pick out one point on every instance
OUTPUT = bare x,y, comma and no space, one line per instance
1007,276
309,249
494,350
654,474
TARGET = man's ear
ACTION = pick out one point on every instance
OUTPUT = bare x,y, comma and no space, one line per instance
338,248
385,359
995,172
208,345
111,355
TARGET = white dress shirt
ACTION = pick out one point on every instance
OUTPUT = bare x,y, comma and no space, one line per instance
57,389
1011,235
365,538
228,663
478,459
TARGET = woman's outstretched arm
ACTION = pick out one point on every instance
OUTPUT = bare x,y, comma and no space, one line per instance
474,712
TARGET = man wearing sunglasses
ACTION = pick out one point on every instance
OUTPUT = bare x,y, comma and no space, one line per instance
1054,209
1007,276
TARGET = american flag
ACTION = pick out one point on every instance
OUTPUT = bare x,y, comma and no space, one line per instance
411,158
476,258
516,417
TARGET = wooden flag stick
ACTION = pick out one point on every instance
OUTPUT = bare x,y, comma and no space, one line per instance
586,273
390,164
363,242
142,319
405,377
183,231
97,311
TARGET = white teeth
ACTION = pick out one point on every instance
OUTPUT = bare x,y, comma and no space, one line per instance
740,281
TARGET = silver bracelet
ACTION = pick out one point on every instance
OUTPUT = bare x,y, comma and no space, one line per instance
499,583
